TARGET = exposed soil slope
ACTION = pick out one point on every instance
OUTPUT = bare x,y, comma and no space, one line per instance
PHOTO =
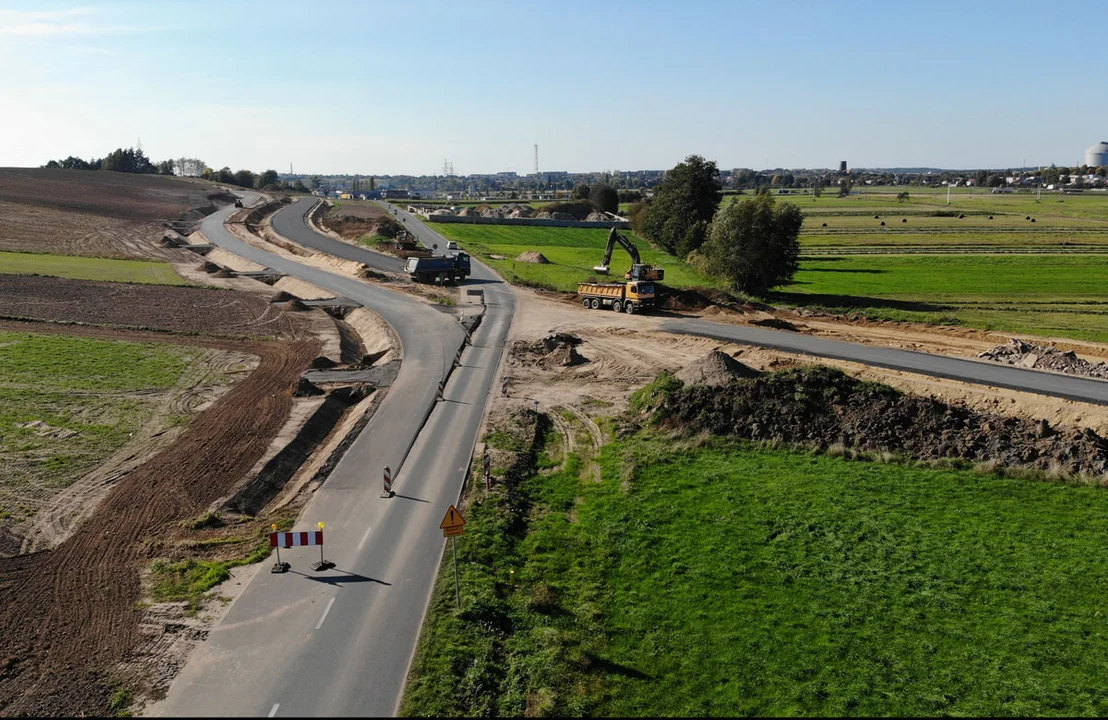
825,407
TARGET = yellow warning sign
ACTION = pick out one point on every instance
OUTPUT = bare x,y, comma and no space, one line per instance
452,523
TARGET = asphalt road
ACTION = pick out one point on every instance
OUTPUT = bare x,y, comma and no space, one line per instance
981,372
290,222
339,642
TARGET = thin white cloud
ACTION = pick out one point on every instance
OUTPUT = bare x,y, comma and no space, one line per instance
39,24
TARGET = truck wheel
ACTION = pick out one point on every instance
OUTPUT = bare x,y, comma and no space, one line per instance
616,306
585,302
630,308
594,303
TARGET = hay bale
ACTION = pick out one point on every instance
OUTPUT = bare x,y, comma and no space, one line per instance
1032,219
877,217
904,220
532,256
824,225
718,368
882,223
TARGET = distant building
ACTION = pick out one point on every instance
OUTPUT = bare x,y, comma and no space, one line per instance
397,195
842,167
1097,155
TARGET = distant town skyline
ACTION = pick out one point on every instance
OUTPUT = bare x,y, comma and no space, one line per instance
397,88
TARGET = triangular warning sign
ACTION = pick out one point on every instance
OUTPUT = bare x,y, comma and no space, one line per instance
452,519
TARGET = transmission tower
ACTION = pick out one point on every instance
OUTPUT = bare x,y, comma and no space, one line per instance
536,166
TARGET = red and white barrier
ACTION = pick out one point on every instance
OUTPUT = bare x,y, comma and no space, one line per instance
295,539
388,482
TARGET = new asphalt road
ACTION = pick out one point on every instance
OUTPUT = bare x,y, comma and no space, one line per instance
339,642
291,223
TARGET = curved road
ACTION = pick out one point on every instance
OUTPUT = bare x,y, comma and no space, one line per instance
980,372
339,642
291,222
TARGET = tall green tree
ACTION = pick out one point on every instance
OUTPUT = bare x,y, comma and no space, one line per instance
580,192
684,205
753,245
244,178
605,197
269,177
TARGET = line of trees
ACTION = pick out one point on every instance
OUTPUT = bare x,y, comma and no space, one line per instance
753,244
134,160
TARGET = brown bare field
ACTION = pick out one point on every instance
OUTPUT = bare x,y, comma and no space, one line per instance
177,309
97,214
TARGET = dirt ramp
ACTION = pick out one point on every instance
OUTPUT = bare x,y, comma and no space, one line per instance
718,368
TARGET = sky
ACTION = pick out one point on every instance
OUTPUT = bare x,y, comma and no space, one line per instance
397,87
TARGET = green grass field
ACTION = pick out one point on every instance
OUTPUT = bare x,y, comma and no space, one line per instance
1051,295
67,403
572,252
734,581
85,268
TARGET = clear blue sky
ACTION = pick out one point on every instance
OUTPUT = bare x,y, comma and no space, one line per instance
388,88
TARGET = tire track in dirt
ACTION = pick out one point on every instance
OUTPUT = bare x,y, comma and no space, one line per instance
68,617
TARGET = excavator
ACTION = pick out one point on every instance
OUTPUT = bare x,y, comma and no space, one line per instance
639,270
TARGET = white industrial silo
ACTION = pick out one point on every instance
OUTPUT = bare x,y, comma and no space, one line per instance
1097,155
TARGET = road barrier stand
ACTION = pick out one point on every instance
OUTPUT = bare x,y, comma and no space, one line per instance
322,564
487,463
388,483
438,396
278,567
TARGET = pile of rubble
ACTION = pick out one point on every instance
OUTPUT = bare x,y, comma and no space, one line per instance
553,351
1022,354
823,407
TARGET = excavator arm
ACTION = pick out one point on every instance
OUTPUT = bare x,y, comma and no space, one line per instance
616,237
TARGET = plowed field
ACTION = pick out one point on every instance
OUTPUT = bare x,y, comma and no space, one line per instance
147,307
98,214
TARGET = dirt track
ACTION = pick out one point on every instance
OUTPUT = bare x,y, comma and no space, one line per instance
68,617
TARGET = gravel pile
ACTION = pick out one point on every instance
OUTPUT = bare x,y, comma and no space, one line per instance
718,368
1023,354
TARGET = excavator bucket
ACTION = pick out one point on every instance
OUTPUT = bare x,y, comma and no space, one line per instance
601,269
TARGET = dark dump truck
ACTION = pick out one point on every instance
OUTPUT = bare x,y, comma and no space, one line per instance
439,269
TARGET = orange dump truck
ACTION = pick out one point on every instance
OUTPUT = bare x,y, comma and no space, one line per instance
628,297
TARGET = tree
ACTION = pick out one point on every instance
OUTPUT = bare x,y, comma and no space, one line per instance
605,197
982,178
165,167
902,196
684,205
844,188
244,178
298,186
314,182
269,177
753,245
817,191
580,192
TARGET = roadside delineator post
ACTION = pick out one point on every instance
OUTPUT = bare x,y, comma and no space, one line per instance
504,387
322,564
487,462
278,567
441,388
388,483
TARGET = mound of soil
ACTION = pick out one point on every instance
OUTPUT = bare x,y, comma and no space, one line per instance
532,256
305,388
1017,352
210,267
825,407
281,296
553,351
296,305
775,323
699,298
718,368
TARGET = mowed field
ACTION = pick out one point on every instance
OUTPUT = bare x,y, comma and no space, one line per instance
735,581
1045,295
572,253
89,268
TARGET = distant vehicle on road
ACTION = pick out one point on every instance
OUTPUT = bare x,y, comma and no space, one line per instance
442,269
451,245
